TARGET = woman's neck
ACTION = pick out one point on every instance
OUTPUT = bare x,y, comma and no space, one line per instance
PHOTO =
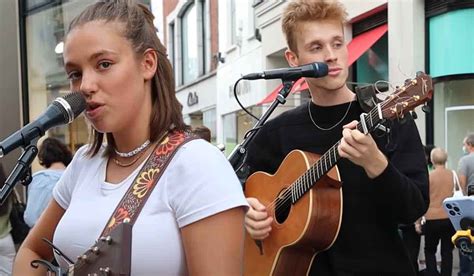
57,166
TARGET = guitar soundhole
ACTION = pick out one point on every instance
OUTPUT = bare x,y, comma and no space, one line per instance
282,207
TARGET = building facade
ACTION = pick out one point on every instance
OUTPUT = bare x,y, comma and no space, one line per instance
213,43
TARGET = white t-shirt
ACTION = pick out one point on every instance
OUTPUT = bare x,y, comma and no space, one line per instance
198,183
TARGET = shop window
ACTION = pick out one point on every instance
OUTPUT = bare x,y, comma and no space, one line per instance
237,124
45,30
453,107
209,120
372,66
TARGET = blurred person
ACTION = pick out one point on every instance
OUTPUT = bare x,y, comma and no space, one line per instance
203,132
438,227
428,149
384,184
191,223
54,156
466,178
7,247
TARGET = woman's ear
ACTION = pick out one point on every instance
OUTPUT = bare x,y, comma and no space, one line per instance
149,63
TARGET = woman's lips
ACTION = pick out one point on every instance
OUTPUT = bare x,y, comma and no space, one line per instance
93,110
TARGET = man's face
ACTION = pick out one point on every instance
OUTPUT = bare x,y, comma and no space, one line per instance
321,41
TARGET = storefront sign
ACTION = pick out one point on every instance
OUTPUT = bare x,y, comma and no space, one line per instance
192,98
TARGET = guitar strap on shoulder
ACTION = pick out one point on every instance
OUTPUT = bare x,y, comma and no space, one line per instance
134,199
366,97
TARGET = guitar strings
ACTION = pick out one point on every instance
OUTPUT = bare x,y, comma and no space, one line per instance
282,200
279,202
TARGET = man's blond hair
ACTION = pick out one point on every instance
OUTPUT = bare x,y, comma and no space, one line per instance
298,11
439,156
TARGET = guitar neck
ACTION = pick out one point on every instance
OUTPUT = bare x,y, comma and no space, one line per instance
329,159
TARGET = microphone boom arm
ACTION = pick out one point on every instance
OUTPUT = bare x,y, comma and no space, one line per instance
237,158
21,172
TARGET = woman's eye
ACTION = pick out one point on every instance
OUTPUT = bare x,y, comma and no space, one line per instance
104,64
73,75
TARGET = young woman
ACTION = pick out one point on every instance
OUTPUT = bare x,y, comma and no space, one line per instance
192,222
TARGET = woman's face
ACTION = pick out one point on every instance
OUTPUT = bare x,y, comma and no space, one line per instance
102,65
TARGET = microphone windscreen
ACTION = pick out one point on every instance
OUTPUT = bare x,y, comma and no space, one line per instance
77,102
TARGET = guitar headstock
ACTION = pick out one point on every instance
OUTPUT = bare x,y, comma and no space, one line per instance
414,93
110,255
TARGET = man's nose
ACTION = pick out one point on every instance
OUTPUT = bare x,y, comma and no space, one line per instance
330,55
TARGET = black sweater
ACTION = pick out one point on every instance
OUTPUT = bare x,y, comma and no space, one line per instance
368,241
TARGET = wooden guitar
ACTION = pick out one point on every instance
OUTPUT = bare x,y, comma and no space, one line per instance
109,256
304,196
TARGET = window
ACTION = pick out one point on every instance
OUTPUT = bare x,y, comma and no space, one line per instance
45,29
192,32
190,45
373,64
453,106
209,120
230,132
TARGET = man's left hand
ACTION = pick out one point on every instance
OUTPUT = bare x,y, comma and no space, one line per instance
362,150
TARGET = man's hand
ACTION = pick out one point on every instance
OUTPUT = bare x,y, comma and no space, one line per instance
362,150
257,221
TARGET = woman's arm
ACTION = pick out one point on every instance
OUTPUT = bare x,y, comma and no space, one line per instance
215,245
33,247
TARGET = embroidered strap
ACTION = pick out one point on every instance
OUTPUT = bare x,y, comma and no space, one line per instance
134,199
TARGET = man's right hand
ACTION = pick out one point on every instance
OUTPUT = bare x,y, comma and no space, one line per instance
257,221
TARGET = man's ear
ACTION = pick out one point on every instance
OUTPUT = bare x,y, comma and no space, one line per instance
292,58
149,63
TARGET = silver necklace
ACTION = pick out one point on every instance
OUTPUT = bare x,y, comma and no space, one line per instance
326,129
133,152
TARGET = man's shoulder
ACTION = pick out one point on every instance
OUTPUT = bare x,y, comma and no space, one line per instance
289,117
467,159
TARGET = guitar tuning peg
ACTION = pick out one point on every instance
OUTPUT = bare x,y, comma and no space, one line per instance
107,239
96,250
105,271
414,115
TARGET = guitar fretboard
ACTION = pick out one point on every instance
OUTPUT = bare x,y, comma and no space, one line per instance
329,159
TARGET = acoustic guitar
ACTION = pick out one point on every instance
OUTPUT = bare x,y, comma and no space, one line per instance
109,256
304,196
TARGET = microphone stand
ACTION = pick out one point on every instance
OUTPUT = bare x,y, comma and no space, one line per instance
21,172
237,158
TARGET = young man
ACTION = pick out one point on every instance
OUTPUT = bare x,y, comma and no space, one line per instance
384,178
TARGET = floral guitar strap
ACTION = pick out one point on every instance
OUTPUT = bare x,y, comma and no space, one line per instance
134,199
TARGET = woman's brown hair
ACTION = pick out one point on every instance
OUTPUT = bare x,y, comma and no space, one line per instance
138,28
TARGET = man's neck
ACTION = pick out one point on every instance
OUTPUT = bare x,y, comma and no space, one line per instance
332,97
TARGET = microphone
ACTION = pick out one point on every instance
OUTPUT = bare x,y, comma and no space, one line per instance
311,70
60,111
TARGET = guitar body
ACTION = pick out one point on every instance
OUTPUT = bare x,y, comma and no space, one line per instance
309,226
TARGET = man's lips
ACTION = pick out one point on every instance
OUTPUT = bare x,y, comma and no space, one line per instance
334,71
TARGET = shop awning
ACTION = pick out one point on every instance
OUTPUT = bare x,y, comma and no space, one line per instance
358,46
